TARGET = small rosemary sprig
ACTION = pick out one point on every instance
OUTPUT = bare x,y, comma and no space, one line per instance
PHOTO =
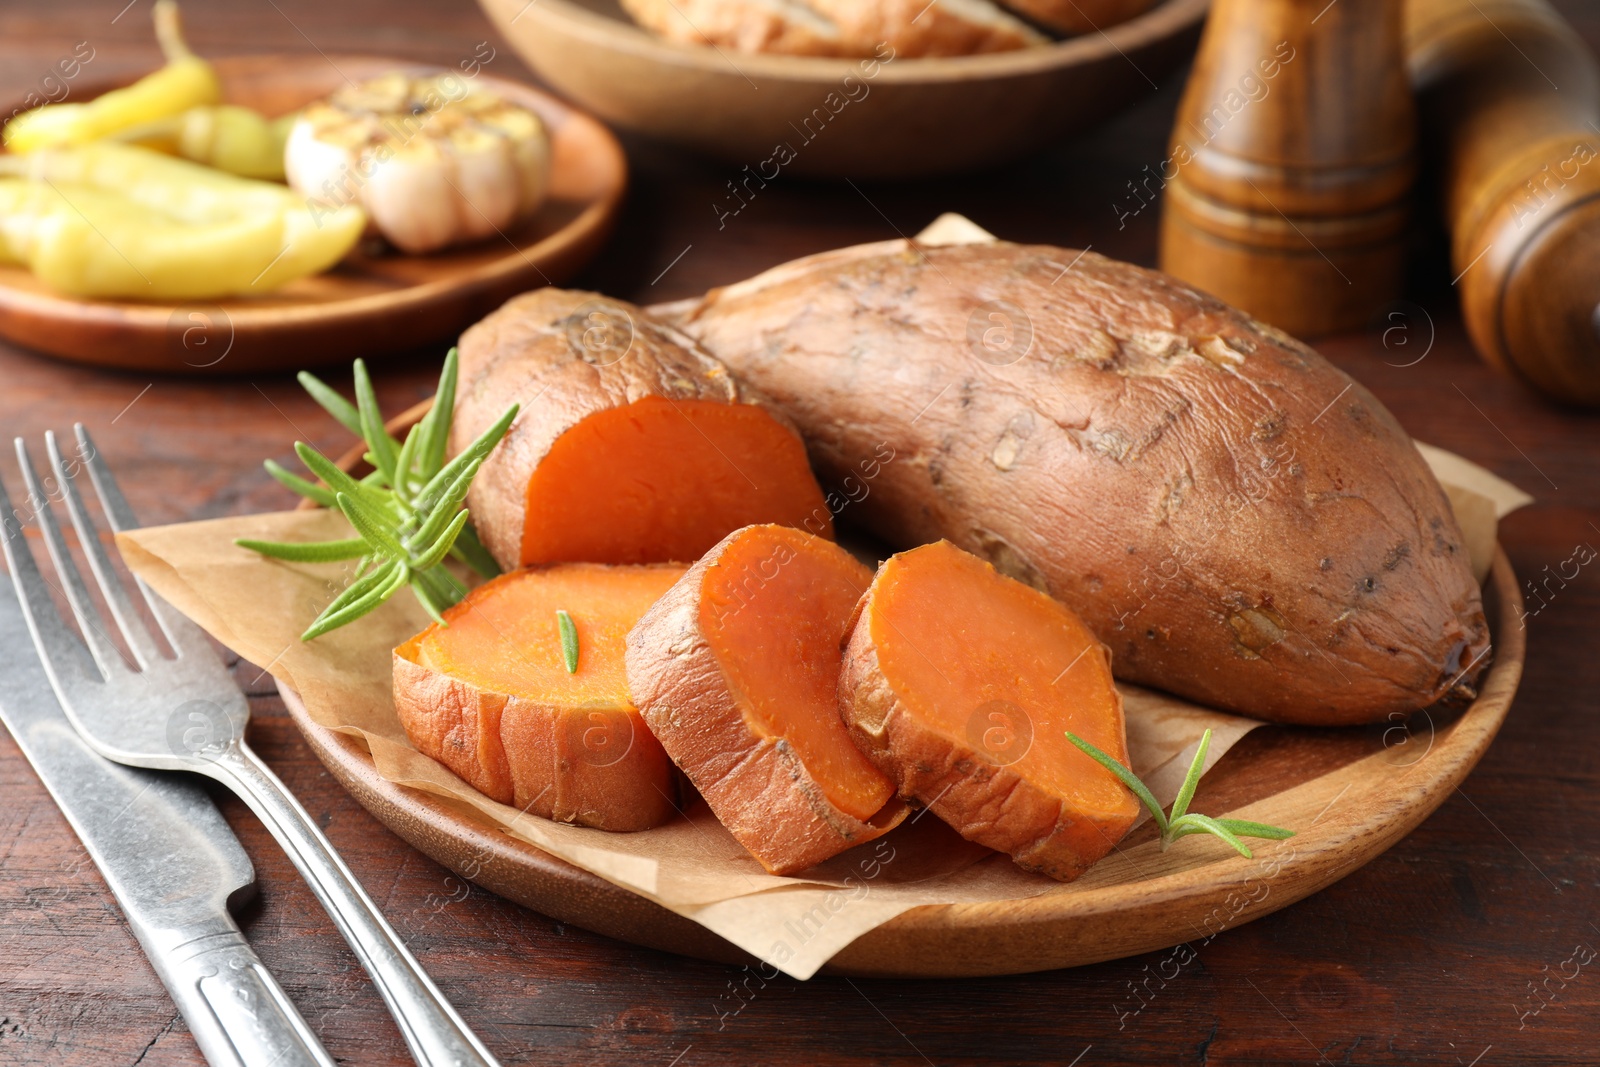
569,641
1183,822
407,513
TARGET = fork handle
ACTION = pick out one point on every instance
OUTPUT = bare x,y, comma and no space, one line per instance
238,1014
432,1030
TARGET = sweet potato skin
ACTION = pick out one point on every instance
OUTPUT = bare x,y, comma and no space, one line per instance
753,784
1241,522
565,355
533,756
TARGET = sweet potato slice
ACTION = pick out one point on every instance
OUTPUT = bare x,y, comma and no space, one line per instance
961,683
490,697
633,445
736,671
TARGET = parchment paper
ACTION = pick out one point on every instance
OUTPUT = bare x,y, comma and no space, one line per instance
258,607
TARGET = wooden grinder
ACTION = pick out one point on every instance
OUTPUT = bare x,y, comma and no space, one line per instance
1511,99
1292,162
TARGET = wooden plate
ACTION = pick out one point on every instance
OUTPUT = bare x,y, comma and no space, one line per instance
910,117
1351,793
370,304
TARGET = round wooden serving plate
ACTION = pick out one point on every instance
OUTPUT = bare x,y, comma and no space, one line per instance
371,303
1351,793
841,118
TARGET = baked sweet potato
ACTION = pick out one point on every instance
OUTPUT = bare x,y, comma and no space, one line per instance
632,445
490,696
735,670
1240,521
1079,16
886,29
961,683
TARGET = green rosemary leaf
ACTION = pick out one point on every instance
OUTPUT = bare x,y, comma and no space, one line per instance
1196,768
425,598
569,641
331,402
337,480
1127,777
469,550
435,553
445,587
364,582
374,526
472,454
404,462
380,444
395,577
306,551
315,493
437,420
442,510
1246,828
1195,823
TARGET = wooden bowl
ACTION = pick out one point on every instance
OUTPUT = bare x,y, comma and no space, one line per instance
368,305
915,117
1350,794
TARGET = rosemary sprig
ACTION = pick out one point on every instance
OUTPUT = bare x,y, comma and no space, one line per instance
407,513
1182,822
569,641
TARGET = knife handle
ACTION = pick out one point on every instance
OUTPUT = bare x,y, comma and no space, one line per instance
435,1034
235,1009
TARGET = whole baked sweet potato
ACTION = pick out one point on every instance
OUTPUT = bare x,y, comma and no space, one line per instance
1241,522
632,446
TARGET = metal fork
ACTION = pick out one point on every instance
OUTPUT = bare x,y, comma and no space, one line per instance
184,713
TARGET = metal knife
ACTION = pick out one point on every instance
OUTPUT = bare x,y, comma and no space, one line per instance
171,861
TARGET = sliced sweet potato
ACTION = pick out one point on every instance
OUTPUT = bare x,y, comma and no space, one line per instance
736,672
633,445
490,697
961,684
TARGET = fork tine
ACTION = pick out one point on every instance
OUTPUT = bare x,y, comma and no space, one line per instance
61,649
182,634
101,647
134,630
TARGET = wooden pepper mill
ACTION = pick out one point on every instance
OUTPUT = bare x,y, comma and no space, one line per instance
1292,162
1511,101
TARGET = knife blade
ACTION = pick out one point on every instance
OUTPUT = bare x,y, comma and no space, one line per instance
173,864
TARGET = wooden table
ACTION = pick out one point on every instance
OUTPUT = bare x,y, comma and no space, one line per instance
1447,950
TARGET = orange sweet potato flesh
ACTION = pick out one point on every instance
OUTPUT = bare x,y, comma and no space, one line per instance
736,671
489,696
663,479
633,445
961,684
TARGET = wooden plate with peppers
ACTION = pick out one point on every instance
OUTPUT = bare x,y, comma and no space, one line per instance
376,299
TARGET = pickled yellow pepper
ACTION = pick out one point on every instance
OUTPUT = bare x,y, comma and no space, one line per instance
113,220
228,137
187,81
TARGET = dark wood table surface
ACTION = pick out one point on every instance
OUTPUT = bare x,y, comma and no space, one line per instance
1455,947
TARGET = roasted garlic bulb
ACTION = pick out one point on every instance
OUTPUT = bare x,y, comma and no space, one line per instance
434,160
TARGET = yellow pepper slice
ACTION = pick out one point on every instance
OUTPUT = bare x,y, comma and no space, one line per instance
185,82
111,220
228,137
